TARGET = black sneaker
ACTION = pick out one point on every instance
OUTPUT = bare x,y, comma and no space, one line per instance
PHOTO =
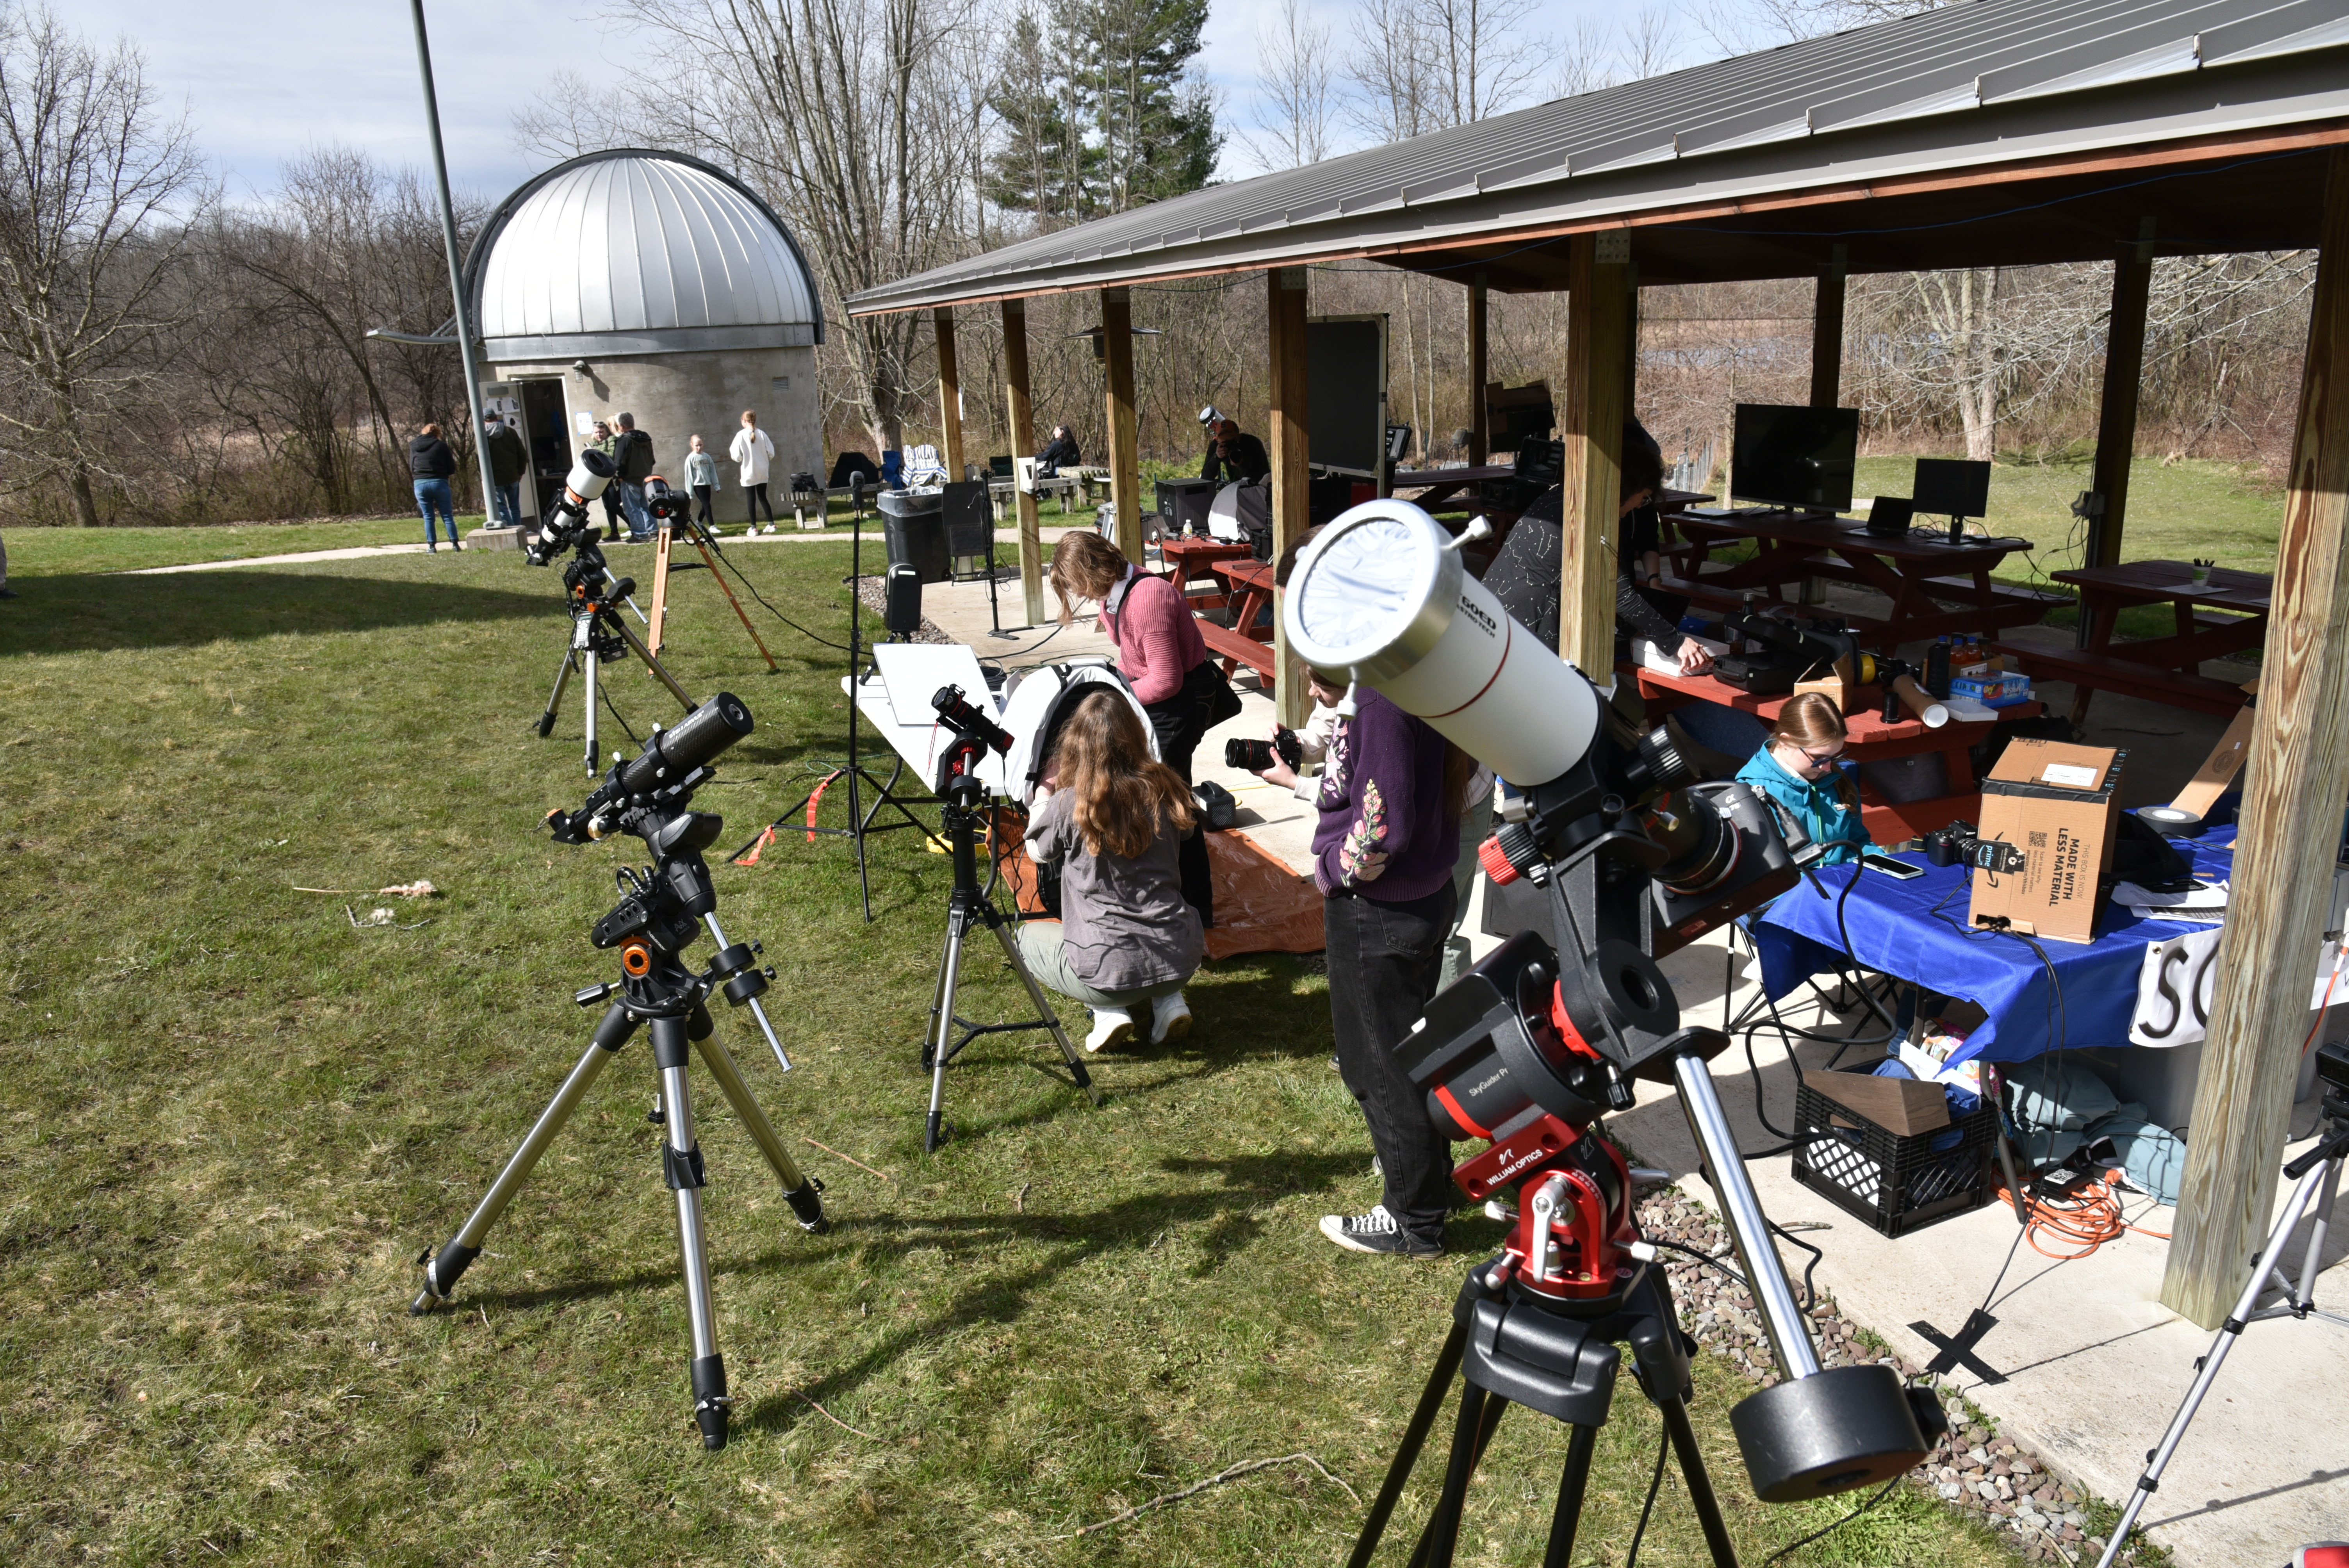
1377,1232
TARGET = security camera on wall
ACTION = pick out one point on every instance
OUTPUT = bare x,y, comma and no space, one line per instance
580,367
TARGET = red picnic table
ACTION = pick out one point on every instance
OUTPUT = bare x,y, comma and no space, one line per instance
1190,558
1244,641
1916,571
2161,669
1867,739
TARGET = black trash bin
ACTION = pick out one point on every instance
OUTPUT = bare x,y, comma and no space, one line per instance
914,525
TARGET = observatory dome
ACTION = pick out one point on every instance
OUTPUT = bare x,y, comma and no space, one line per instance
630,252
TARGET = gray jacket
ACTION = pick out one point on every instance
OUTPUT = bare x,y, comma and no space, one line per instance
1122,922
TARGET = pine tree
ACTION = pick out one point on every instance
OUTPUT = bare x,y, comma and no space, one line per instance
1044,165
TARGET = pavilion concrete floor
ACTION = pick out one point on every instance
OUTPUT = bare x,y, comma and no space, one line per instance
2093,1364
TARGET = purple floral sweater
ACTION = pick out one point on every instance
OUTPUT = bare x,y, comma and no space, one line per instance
1383,832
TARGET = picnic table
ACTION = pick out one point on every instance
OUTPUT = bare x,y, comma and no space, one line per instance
1867,739
2225,615
1191,557
1244,641
1437,486
1915,571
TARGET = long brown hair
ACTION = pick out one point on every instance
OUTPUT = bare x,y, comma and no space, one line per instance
1084,566
1123,795
1810,720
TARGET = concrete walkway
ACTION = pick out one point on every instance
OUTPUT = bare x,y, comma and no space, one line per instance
835,536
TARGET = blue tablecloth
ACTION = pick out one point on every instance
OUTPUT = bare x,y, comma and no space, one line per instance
1916,931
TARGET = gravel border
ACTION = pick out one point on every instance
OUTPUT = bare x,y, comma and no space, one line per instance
2040,1515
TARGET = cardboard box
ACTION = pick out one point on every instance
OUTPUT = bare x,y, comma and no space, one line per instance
2056,804
2218,772
1832,682
1903,1106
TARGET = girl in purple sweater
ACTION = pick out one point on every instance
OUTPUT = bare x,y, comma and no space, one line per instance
1391,796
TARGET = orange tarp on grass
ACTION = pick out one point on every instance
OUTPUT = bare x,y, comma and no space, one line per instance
1261,906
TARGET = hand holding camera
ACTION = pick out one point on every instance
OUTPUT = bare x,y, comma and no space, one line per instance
1276,761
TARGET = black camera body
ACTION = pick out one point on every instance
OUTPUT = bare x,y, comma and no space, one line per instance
665,504
1255,756
1961,844
1782,649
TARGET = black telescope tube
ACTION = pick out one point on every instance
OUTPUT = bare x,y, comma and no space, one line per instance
695,739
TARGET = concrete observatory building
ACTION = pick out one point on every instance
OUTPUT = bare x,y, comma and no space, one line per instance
654,284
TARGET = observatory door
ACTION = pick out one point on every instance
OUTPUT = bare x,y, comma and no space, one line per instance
550,442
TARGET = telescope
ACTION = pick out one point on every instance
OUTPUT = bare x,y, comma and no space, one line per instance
1530,1049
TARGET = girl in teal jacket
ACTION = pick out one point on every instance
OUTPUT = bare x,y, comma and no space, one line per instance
1797,766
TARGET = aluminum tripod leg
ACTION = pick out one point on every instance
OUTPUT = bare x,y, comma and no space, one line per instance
757,1012
800,1190
942,1023
587,663
562,680
661,672
681,1166
444,1268
1043,1006
2325,1178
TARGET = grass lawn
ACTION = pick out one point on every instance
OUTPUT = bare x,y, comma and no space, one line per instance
238,1118
52,552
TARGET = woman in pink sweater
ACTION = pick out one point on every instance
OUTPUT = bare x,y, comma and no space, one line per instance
1164,659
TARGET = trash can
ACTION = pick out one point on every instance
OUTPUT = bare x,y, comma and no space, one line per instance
914,526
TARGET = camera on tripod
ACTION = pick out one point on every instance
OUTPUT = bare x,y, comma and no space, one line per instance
1962,844
1255,756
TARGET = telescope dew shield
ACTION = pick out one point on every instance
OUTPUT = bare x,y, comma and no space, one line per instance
588,476
1382,596
695,739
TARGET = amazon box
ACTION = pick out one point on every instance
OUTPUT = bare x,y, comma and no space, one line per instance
2055,805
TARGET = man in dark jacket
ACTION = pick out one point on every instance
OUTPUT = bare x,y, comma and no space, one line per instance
1232,456
508,458
1060,453
632,453
430,462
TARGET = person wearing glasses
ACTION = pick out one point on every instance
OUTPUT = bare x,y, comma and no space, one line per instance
1800,767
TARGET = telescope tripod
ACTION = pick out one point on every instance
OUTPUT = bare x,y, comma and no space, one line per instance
969,907
598,635
2318,1175
663,992
1510,1346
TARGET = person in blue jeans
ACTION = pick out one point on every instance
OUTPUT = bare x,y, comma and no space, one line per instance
1799,766
431,462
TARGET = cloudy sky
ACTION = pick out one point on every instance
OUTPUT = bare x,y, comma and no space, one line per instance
263,80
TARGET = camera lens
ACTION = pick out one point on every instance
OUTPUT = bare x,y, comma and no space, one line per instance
1250,756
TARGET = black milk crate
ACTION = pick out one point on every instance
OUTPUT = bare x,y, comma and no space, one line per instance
1894,1182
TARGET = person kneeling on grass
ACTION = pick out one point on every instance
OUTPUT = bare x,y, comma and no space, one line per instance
1126,940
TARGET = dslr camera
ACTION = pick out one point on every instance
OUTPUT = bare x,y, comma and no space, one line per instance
1255,756
1961,844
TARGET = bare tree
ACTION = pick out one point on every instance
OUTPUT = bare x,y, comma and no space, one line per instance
98,198
1484,56
1294,87
1651,44
1586,59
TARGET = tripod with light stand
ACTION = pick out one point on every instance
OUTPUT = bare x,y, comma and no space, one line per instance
2317,1173
661,913
861,818
1534,1045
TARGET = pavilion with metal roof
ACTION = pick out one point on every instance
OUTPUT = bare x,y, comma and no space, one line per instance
1994,132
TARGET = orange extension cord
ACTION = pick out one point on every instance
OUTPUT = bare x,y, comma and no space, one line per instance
2089,1217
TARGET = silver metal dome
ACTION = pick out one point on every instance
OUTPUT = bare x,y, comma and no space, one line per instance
632,252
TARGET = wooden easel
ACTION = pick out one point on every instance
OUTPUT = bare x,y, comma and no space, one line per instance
661,546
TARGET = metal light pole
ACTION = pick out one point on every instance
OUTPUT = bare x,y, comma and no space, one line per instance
456,272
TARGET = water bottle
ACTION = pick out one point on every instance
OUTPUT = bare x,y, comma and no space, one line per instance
1937,670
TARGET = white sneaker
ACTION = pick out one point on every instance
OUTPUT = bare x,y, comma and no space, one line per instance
1170,1018
1112,1027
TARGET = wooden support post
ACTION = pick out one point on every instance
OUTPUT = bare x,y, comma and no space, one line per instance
1631,341
949,394
1826,336
1023,443
2124,371
1598,318
1480,423
2290,820
1124,459
1292,490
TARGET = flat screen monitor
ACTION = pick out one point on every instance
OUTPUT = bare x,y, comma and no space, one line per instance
1794,455
1952,487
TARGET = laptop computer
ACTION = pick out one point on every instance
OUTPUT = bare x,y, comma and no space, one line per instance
1890,516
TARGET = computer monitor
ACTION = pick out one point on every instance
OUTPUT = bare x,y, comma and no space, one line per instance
1794,457
1952,487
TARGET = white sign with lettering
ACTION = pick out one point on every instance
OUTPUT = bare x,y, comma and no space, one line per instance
2180,977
